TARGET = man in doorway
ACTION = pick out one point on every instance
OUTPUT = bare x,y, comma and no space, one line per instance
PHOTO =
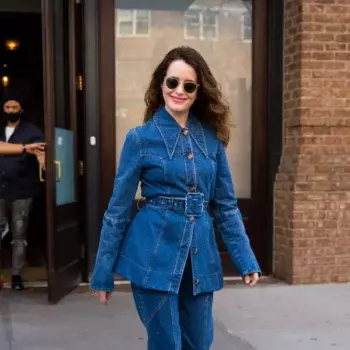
19,182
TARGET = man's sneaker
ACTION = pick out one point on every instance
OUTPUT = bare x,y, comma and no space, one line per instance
17,283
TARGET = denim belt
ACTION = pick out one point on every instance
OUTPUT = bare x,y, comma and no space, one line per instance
193,204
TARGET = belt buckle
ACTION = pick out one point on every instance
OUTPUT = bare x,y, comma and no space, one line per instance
194,204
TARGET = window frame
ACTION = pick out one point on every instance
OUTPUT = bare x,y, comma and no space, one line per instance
201,24
244,27
134,22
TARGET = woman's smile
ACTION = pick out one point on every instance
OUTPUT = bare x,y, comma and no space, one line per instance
178,100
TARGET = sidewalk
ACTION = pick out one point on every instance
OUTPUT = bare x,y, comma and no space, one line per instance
282,317
78,322
267,317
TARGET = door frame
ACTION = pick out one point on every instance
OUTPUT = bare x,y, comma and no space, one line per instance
94,121
91,223
260,115
49,113
61,219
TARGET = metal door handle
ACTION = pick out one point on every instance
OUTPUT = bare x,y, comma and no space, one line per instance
59,169
41,178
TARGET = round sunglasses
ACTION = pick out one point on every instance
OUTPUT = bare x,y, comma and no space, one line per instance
189,86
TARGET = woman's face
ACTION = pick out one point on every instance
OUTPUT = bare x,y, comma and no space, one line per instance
179,87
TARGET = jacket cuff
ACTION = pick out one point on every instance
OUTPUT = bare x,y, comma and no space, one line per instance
250,268
102,281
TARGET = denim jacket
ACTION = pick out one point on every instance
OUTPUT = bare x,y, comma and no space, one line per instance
181,171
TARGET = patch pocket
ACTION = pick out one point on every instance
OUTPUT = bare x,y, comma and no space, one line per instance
148,303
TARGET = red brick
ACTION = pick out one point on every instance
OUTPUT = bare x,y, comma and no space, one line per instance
344,56
344,38
336,28
323,37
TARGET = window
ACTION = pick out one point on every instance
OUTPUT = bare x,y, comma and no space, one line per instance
133,22
201,24
247,26
213,29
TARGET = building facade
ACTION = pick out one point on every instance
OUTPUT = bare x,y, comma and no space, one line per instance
283,66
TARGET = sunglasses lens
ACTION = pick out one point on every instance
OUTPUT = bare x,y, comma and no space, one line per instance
172,83
190,87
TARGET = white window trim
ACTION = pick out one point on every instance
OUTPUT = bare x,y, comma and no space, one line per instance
201,36
248,41
134,23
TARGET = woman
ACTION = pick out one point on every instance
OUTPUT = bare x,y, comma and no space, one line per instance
10,148
168,251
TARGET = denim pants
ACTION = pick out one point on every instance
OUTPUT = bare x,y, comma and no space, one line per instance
176,321
20,210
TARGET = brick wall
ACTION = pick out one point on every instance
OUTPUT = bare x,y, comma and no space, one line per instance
312,189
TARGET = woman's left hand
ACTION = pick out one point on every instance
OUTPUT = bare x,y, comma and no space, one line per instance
251,279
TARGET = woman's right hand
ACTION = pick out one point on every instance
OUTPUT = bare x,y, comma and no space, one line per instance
36,148
103,296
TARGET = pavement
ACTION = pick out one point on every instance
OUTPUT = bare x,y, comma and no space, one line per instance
271,316
78,322
282,317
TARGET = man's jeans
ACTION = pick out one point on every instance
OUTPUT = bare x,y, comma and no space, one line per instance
20,210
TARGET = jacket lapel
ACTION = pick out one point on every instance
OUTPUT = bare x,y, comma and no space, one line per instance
197,134
169,129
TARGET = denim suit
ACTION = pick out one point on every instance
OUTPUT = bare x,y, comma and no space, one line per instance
168,251
181,171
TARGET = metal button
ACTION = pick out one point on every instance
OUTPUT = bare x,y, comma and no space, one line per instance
197,281
190,156
195,251
192,188
191,218
185,132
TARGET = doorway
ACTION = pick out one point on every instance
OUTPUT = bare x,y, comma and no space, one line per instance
22,70
45,63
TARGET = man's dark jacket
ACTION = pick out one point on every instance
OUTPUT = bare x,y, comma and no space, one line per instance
19,174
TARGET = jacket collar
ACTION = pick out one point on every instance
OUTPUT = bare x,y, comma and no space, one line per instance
171,130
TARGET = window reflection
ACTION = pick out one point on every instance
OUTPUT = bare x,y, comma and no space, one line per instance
201,24
133,22
221,30
247,26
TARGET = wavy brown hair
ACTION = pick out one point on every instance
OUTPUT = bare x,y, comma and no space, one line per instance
209,107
